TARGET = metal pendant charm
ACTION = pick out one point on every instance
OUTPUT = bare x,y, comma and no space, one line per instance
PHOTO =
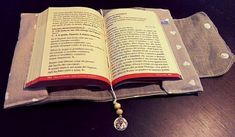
120,123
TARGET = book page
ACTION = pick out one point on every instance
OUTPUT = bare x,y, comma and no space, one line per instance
37,50
138,46
75,45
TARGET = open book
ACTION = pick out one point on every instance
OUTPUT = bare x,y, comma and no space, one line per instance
81,46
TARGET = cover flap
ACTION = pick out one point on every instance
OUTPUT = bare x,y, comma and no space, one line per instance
208,51
16,94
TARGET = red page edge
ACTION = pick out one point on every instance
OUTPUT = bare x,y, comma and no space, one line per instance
101,78
145,75
67,76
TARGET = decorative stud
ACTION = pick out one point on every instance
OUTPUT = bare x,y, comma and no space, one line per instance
224,55
34,99
186,63
165,21
207,25
178,46
192,82
173,32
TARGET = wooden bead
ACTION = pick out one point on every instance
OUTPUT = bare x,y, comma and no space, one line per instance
117,105
119,111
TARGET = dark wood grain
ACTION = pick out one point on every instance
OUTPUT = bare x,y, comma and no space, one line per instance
208,114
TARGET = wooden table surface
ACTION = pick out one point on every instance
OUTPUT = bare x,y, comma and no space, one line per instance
208,114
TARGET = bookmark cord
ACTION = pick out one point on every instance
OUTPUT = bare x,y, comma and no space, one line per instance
114,95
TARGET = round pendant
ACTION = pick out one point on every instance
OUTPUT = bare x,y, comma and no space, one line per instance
120,123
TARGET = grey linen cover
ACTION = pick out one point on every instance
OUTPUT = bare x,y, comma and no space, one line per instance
199,50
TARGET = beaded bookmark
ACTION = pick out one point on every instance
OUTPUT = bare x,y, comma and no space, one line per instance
120,123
